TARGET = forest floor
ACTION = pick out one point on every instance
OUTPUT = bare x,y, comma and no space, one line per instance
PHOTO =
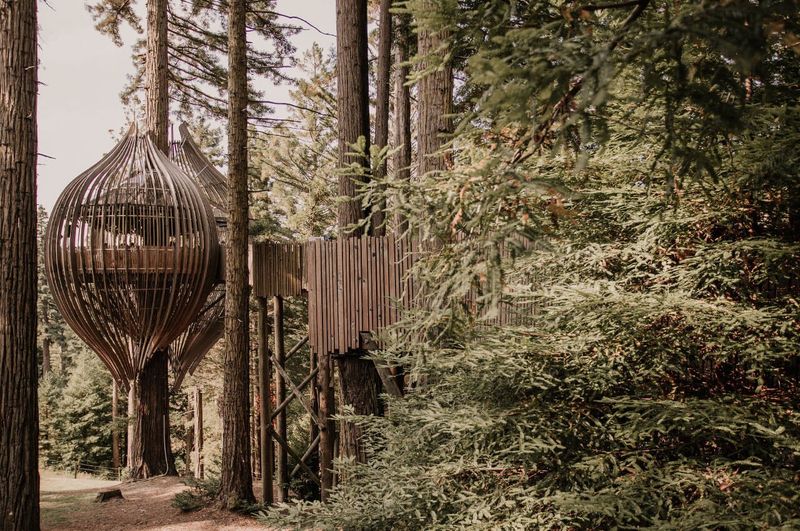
68,504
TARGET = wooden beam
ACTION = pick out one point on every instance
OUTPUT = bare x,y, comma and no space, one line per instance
265,402
296,392
297,458
306,455
327,443
291,397
198,433
281,378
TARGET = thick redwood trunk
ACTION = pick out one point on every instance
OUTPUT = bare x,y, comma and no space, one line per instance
237,480
361,387
151,454
358,378
19,423
352,102
150,446
383,73
435,95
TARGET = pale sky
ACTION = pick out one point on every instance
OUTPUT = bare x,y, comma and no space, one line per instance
83,72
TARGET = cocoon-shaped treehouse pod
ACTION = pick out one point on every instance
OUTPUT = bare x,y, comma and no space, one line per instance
188,349
131,254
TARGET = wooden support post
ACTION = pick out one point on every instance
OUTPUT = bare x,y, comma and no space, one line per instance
282,461
265,401
313,364
198,433
256,413
327,442
114,425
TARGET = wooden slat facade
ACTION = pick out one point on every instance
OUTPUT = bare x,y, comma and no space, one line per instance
354,286
276,269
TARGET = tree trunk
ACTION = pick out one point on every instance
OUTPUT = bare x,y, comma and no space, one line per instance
357,377
46,363
19,423
198,433
151,454
237,481
361,387
435,95
402,108
384,67
353,104
115,458
157,104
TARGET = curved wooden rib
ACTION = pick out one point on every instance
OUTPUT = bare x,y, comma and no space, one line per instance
190,158
131,254
189,349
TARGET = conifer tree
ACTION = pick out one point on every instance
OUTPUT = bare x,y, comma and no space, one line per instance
236,487
358,378
19,474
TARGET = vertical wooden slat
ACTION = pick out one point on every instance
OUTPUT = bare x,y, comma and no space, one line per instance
265,402
282,461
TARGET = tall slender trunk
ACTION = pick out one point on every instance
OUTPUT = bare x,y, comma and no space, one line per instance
151,454
237,481
19,423
358,378
402,107
157,103
46,360
383,71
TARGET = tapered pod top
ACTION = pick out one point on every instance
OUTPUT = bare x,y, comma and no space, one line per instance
131,254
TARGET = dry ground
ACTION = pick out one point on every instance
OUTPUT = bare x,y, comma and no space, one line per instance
69,504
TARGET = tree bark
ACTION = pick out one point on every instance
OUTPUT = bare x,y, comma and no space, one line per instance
198,433
151,454
402,108
237,482
115,457
383,72
46,362
357,377
435,95
157,104
353,105
19,423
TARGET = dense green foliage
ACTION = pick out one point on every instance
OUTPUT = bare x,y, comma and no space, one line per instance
75,418
647,154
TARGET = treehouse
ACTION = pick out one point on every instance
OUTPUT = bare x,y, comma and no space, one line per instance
131,254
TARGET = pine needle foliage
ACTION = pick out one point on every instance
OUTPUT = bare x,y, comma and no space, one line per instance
630,169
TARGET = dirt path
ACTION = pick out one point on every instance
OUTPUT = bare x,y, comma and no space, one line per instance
69,504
